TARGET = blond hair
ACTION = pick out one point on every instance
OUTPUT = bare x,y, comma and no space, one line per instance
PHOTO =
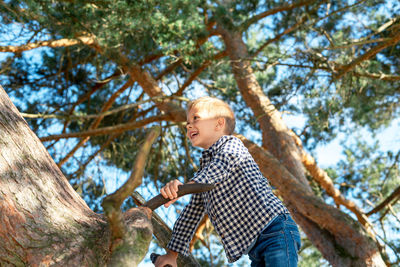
217,108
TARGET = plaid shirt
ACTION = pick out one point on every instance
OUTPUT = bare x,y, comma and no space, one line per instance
239,207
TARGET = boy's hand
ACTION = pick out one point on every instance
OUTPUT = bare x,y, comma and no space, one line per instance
170,191
169,258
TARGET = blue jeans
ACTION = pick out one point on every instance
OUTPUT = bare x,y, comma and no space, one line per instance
277,245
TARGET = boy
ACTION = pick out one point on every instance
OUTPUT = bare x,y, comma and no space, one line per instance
245,213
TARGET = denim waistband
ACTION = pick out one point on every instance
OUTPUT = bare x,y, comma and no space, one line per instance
284,215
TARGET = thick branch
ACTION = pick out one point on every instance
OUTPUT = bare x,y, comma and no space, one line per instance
274,132
112,203
86,40
326,183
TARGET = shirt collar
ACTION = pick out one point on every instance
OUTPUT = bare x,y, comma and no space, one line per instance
212,150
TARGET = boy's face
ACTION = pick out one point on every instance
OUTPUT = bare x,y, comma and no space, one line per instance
203,129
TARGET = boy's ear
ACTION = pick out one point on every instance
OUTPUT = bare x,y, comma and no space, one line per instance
221,123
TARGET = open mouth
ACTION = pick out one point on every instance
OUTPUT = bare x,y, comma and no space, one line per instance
193,134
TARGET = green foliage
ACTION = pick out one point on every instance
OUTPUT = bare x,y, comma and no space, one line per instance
295,70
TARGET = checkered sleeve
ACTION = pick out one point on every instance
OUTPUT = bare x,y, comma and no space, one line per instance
186,225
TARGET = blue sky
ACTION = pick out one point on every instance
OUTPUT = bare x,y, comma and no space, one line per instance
326,154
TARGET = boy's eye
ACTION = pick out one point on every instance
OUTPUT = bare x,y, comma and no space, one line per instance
195,117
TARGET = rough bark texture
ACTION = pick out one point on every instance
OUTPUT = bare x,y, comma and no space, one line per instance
43,221
336,235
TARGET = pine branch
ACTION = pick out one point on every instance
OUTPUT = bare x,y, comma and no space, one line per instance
83,166
98,85
119,128
386,202
103,114
273,11
198,71
378,76
323,179
356,43
150,86
370,53
86,40
96,123
279,36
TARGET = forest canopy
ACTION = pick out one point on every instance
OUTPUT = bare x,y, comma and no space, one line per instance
91,77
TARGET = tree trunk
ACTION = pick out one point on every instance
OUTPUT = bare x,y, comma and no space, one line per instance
43,221
341,240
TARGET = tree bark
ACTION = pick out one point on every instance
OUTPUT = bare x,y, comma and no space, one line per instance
340,239
43,221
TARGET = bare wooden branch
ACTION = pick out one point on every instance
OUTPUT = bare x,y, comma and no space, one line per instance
366,39
98,85
378,76
84,165
356,43
185,189
103,146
